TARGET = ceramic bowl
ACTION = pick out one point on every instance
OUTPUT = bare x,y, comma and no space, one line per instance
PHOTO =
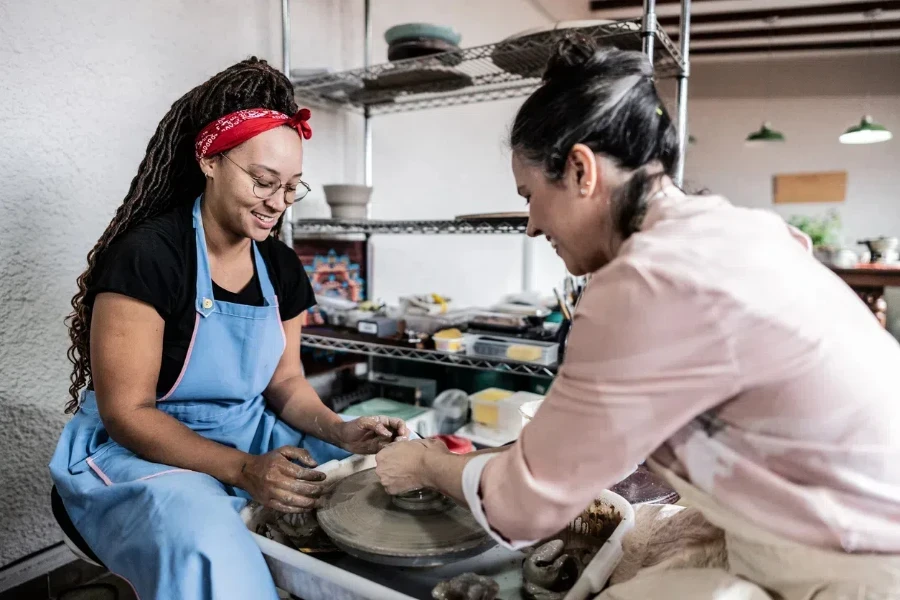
348,201
529,409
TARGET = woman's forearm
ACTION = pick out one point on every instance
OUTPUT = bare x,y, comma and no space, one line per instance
155,436
443,472
296,402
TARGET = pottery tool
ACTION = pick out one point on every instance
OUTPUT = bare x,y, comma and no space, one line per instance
563,305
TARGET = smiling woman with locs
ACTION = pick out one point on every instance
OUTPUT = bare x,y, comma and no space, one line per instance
188,391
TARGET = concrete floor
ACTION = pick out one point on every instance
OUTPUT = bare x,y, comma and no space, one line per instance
77,580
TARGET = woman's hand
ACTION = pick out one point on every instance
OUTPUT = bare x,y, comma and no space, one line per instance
368,435
401,466
276,482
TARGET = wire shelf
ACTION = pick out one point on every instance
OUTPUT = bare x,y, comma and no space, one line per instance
507,69
426,356
339,226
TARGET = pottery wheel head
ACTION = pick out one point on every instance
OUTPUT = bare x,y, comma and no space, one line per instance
419,528
422,501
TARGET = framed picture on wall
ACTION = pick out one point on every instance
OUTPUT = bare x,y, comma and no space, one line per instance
335,268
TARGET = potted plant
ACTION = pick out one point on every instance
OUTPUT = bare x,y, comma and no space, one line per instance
825,233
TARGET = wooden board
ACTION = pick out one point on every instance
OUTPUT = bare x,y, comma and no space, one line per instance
829,186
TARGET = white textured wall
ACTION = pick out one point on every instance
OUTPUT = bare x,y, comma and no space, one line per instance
83,84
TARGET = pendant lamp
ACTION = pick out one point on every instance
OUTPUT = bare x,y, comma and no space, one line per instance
868,131
765,134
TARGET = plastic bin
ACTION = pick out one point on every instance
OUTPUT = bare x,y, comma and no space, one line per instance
542,353
347,578
430,324
507,420
419,419
486,405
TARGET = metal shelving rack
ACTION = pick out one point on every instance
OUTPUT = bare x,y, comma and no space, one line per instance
340,226
466,76
375,349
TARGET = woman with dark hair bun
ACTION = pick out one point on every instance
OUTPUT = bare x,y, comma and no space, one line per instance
709,343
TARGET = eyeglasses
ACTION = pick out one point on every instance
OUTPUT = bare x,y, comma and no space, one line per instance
265,188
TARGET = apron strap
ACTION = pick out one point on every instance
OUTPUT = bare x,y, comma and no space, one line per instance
205,300
265,282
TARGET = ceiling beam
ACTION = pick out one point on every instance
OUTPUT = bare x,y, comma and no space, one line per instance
597,5
797,47
776,32
849,8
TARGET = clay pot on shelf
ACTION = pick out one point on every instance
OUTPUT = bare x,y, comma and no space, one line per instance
348,201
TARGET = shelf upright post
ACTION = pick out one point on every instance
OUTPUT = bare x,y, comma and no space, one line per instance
367,142
367,163
367,115
287,222
649,28
684,40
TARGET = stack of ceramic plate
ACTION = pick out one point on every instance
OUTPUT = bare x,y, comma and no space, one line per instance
411,70
316,81
526,53
415,40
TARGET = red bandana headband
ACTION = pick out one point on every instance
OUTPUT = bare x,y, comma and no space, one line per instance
233,130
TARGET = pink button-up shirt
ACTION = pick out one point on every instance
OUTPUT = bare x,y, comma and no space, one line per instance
717,343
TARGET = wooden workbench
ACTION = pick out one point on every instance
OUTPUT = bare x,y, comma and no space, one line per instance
869,284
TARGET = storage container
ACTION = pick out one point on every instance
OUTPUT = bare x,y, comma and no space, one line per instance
500,321
419,419
542,353
429,324
411,390
426,304
451,408
382,327
508,421
529,409
449,340
484,405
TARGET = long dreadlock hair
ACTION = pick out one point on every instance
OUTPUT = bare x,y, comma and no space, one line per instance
169,176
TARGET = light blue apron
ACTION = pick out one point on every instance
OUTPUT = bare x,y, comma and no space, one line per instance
175,533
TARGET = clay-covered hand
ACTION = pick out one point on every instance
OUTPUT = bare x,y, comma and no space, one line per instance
275,481
548,567
368,435
401,466
468,586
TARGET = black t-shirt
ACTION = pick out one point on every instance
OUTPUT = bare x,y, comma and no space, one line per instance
156,263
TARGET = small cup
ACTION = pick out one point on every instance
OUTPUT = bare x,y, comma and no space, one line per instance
451,345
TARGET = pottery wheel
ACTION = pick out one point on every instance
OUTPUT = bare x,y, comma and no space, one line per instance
421,529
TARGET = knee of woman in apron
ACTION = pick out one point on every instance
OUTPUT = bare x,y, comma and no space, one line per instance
182,536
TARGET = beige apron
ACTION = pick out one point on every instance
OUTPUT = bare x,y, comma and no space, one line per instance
760,565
